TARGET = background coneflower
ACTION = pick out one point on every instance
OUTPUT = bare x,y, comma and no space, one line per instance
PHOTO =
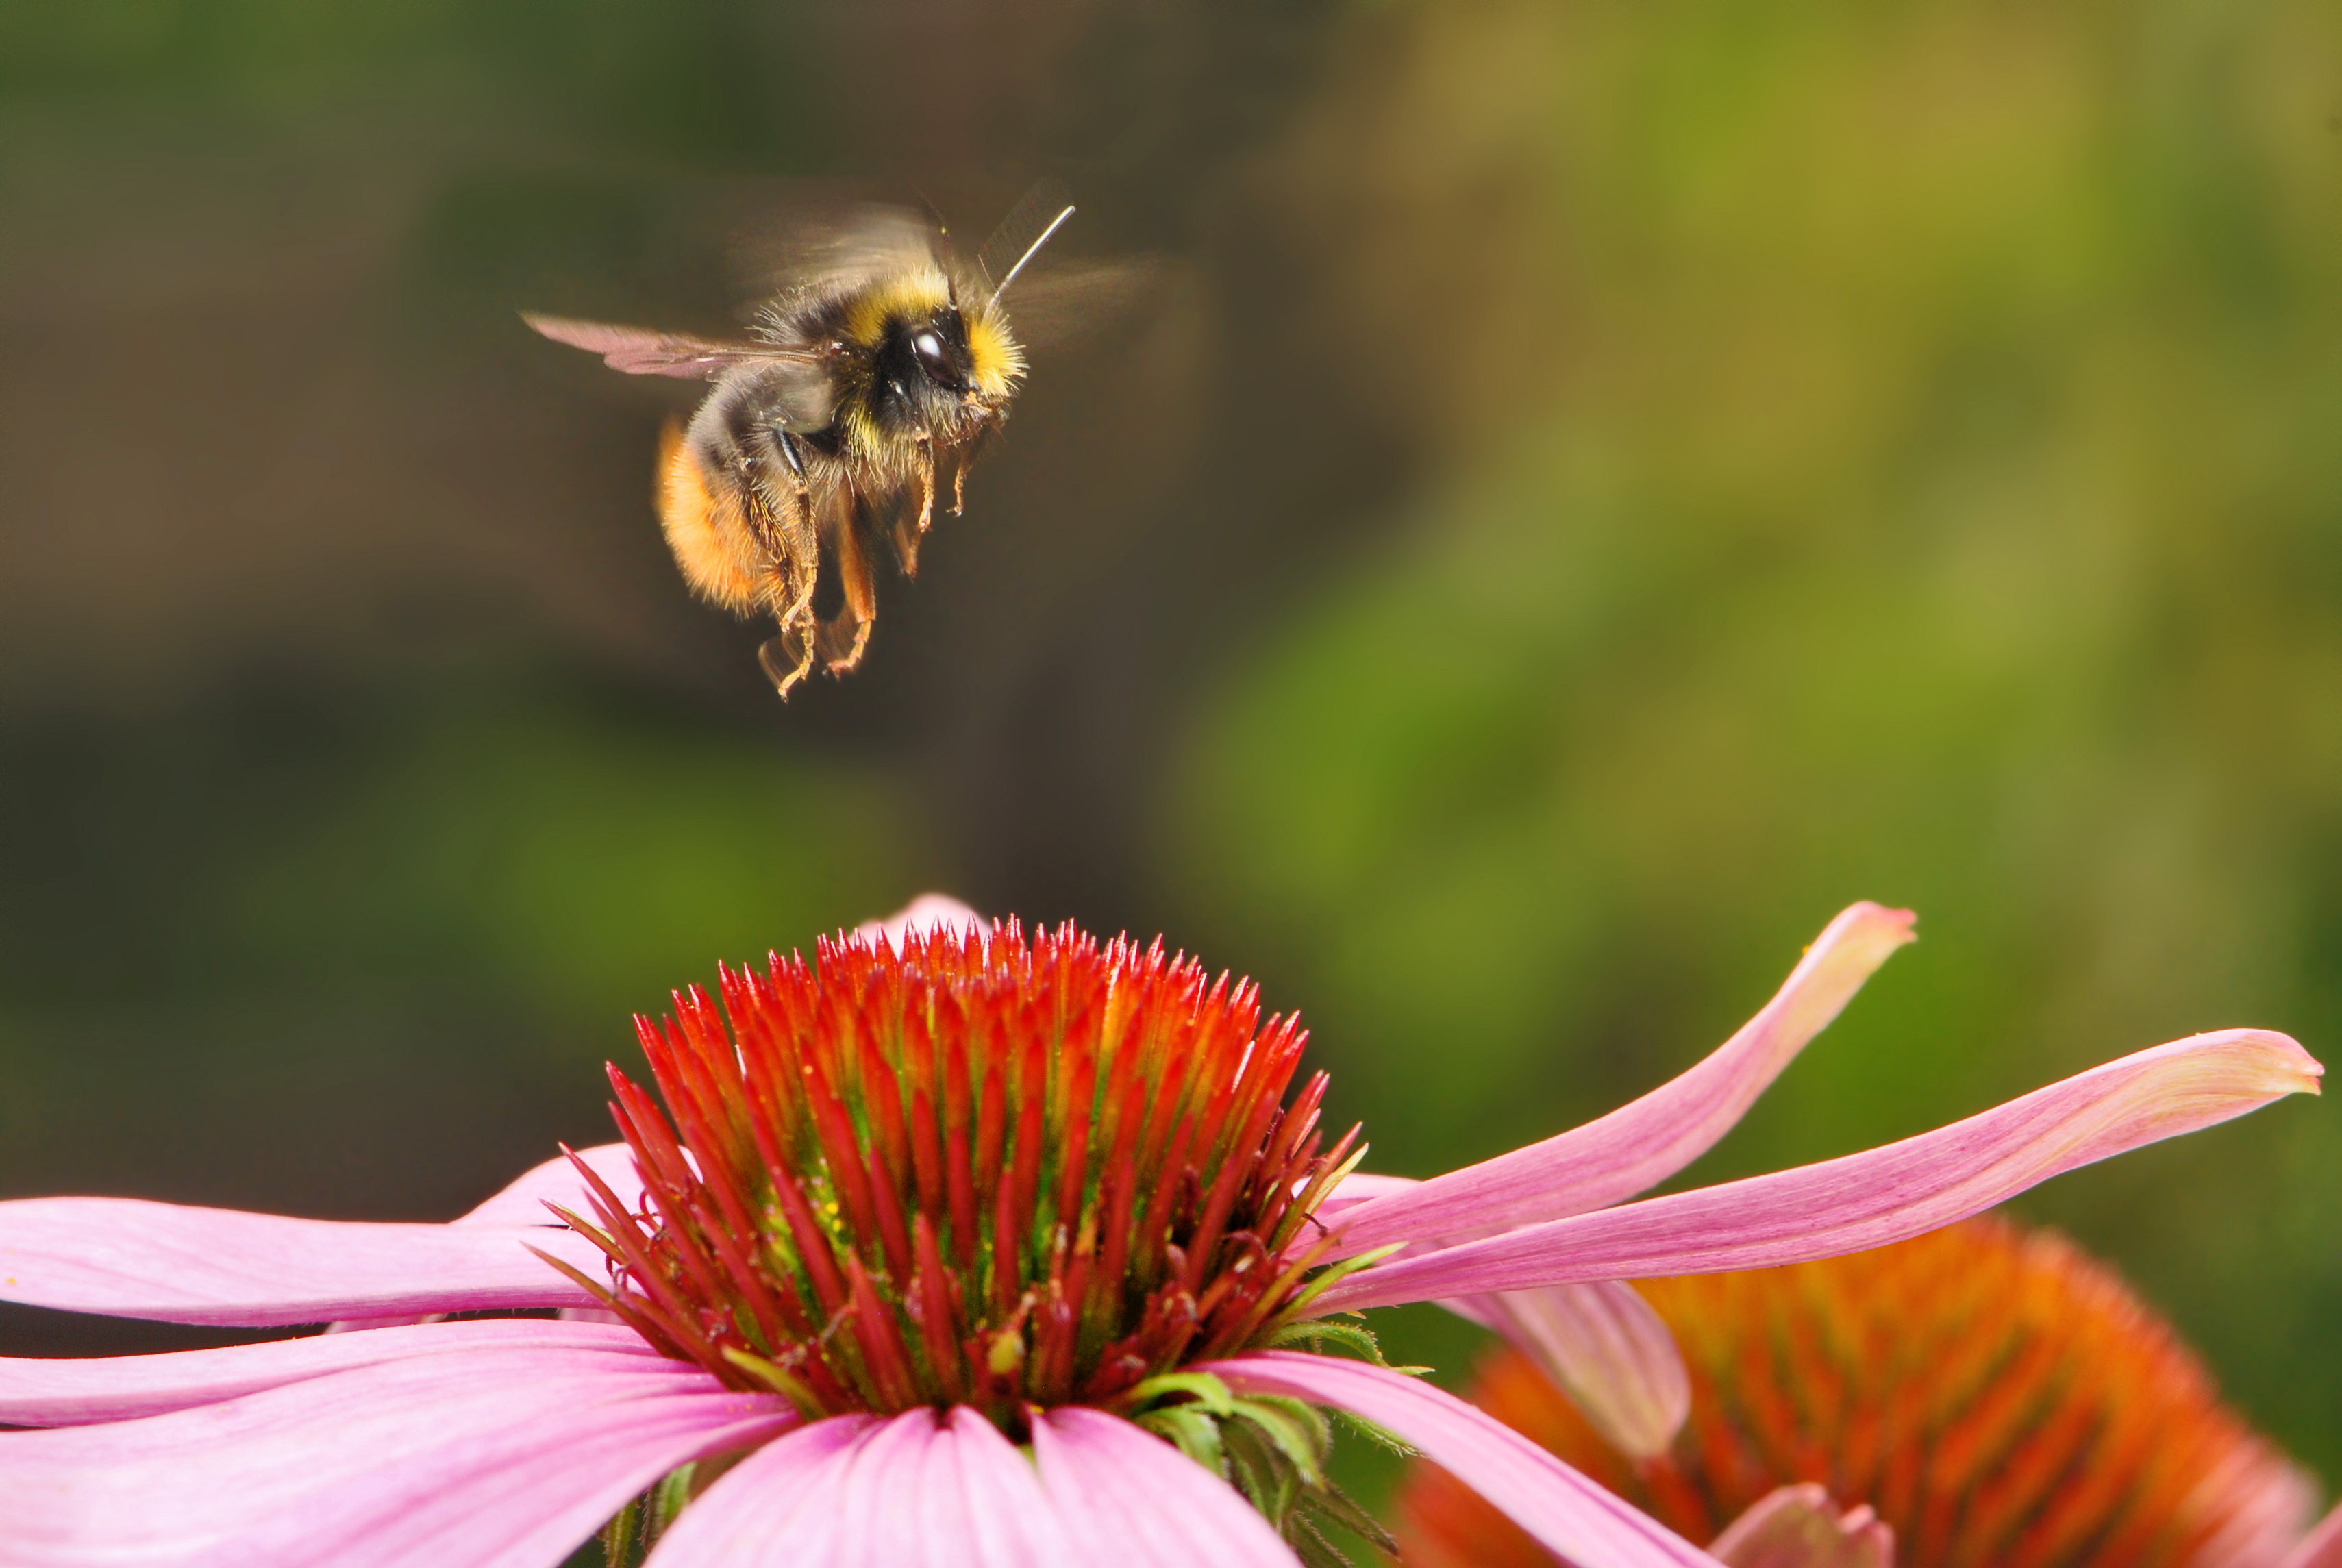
2000,1398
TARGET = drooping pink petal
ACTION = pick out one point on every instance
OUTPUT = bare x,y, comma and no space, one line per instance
1799,1527
127,1257
1599,1342
507,1455
557,1182
930,911
1130,1500
1642,1143
919,1490
1870,1199
1602,1345
1569,1515
2322,1547
69,1392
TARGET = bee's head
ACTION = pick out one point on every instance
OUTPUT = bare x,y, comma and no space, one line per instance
934,350
950,362
935,362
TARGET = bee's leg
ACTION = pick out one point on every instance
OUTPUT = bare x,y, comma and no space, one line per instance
926,483
801,549
787,657
909,530
787,660
792,455
784,525
907,544
964,454
778,517
861,641
845,636
773,452
797,569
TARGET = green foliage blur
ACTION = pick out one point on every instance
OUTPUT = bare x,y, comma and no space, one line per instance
1603,487
1913,471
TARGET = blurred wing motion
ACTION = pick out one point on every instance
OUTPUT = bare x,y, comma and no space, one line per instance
638,351
1028,227
812,250
1057,301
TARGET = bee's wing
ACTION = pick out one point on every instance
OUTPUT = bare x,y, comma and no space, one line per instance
638,351
1056,302
817,250
1029,223
797,386
861,243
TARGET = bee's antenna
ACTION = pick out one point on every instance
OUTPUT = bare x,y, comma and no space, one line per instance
1054,224
935,213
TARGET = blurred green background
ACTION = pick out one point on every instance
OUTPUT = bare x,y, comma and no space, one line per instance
1594,489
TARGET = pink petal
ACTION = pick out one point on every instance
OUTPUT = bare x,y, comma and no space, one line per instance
1870,1199
2322,1547
2267,1510
588,1314
72,1393
557,1182
1362,1187
1602,1345
878,1514
857,1491
1641,1145
777,1506
1129,1499
130,1258
505,1455
1800,1527
1569,1515
980,1500
368,1324
943,1489
929,911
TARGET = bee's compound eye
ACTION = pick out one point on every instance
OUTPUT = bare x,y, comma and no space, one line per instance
933,357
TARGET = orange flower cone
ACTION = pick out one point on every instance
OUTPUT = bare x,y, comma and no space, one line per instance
2000,1400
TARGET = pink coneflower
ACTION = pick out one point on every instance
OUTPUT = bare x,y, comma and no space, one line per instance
951,1247
1992,1396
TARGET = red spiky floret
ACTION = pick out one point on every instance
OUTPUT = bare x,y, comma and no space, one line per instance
977,1170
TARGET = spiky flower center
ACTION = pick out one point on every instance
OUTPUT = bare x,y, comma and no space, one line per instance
981,1170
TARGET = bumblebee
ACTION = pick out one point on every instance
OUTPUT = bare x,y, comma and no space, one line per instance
873,378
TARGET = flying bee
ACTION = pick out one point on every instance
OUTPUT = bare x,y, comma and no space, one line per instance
875,376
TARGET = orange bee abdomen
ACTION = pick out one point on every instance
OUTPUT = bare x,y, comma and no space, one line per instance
706,528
